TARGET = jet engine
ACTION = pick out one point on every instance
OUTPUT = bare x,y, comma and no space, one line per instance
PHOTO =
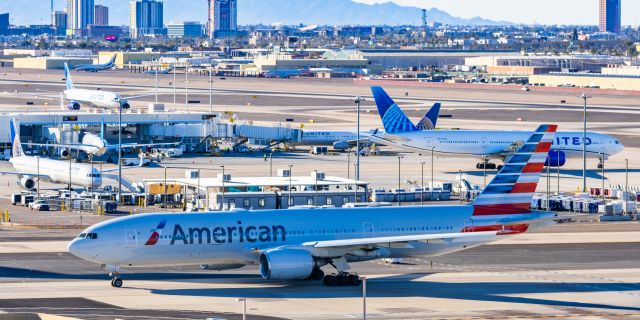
556,158
73,105
64,153
341,145
221,266
286,264
27,183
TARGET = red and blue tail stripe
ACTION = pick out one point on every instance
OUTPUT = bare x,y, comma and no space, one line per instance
155,234
511,190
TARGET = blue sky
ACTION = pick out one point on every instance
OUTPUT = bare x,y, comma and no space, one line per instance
527,11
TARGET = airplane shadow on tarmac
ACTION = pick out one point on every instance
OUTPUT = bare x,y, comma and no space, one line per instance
576,173
403,286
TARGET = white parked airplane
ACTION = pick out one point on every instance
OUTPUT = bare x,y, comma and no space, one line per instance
97,67
295,243
94,98
492,144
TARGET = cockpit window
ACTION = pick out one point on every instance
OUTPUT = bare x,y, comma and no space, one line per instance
82,235
92,236
617,142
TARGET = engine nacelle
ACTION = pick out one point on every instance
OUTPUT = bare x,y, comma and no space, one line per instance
65,153
286,264
27,183
341,145
125,105
73,105
556,159
221,266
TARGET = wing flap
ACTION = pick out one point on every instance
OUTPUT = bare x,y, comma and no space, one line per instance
399,239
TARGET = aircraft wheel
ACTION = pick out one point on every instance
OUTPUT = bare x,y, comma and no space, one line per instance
499,167
330,281
599,165
317,274
116,282
354,280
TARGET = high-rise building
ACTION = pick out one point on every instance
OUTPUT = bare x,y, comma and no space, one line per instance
146,18
60,22
611,16
187,29
80,14
101,15
223,18
4,24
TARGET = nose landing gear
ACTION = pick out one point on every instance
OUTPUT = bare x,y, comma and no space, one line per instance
114,273
116,282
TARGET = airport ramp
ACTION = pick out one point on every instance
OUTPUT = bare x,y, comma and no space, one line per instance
125,183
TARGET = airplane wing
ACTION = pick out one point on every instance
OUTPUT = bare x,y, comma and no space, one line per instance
56,145
30,174
138,145
388,241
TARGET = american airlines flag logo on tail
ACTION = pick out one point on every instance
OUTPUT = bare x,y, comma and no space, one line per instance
511,190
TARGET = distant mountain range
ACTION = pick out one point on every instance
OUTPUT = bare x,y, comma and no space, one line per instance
321,12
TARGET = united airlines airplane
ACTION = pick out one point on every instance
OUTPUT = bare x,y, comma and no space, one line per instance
296,243
492,144
97,67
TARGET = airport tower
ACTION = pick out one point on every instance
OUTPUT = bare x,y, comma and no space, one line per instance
101,15
80,14
611,16
223,18
146,17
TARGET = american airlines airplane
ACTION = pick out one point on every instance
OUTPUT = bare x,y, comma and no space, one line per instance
295,243
29,169
97,67
93,98
492,144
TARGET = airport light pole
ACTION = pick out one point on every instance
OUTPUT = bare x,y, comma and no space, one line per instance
364,298
358,100
290,184
165,189
548,189
222,202
174,87
422,183
69,206
585,97
626,175
120,154
38,175
271,164
602,158
198,198
399,183
156,80
186,87
244,307
210,88
315,195
484,170
431,187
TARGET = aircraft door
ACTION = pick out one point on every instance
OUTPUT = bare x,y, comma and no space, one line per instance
130,238
367,229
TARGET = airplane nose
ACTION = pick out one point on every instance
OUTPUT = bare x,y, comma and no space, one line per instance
78,248
73,247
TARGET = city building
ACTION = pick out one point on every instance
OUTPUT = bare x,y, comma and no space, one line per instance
4,24
60,22
223,18
611,16
101,15
187,29
146,18
80,14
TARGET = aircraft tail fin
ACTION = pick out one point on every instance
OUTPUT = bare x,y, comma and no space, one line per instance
67,76
511,190
112,60
429,120
393,119
15,139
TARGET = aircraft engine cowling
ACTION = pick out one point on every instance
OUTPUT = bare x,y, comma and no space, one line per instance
556,159
27,183
64,153
73,105
286,264
341,145
125,105
221,266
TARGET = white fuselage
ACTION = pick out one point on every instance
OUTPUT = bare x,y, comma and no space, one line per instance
235,237
328,138
57,171
494,144
94,98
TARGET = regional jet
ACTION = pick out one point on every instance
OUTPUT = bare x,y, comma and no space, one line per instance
295,243
400,133
97,67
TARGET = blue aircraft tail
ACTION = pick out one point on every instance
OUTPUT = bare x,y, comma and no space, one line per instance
15,139
393,119
429,120
112,61
67,76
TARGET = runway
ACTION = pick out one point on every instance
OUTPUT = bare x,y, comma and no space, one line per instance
530,281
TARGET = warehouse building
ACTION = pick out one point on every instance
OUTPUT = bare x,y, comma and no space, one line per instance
48,62
587,80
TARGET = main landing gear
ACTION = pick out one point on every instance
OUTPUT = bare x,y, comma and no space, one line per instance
487,165
341,279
